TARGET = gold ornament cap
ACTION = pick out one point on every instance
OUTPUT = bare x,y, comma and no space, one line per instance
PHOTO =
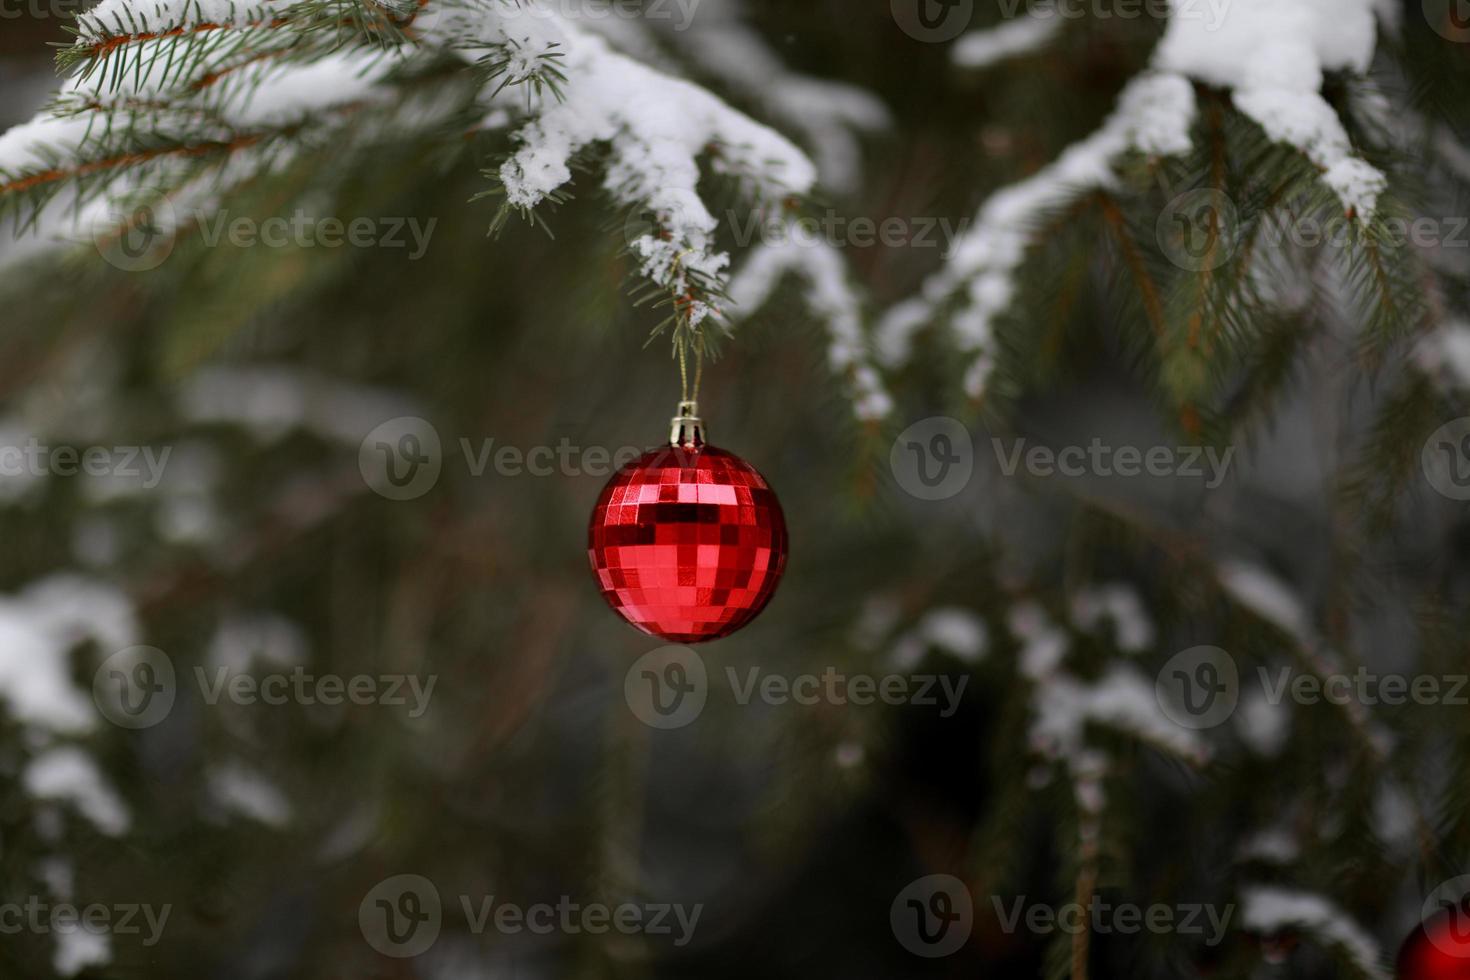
686,429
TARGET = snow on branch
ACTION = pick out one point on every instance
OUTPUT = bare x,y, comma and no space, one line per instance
826,116
656,128
178,86
1154,115
1275,602
1270,909
1270,54
39,628
1063,705
982,49
1444,355
830,298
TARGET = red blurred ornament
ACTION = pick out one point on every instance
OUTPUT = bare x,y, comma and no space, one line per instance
1439,949
687,542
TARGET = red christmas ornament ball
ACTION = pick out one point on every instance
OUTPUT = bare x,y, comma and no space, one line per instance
1439,949
688,543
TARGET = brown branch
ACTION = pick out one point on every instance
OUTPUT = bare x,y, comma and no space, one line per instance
1134,259
100,49
126,160
210,78
105,47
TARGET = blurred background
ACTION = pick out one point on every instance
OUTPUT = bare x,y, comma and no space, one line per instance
502,753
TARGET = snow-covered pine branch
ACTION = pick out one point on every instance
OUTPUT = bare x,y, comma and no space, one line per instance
191,97
1270,55
831,299
827,117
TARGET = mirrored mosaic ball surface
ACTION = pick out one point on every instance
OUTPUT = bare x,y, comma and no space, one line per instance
687,544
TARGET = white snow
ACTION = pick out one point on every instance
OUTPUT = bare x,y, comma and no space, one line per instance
657,128
113,18
65,773
241,790
1264,727
1121,605
831,298
1063,706
1122,699
1269,909
1395,818
982,49
1273,846
246,639
829,117
1445,355
956,631
38,630
1268,597
273,400
77,949
1153,116
1272,55
1045,645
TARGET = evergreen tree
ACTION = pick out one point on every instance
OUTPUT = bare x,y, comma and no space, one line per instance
1109,360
